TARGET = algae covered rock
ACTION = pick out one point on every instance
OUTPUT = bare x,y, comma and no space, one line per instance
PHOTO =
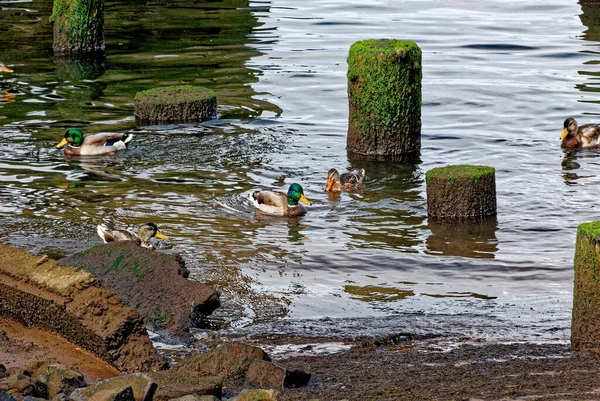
384,98
175,104
134,387
585,324
461,192
78,26
257,395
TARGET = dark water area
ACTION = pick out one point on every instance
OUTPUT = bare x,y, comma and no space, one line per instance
499,78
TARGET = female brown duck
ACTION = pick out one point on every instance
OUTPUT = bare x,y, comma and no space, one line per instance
575,136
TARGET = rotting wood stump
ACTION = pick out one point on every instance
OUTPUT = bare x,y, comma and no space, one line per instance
78,26
585,322
175,104
384,99
461,192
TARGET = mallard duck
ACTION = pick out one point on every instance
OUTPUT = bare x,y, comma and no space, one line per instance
574,136
146,231
4,68
78,144
350,181
281,204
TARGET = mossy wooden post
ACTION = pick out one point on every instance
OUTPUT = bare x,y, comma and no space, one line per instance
384,98
175,104
78,26
585,324
461,192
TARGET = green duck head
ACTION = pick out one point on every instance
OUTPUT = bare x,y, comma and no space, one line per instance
296,194
73,137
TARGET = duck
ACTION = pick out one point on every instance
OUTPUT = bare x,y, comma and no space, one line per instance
146,231
4,68
75,143
575,136
350,181
281,204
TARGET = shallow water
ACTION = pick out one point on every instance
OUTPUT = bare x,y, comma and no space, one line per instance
499,78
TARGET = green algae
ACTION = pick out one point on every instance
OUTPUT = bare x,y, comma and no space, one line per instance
384,91
82,24
462,171
175,94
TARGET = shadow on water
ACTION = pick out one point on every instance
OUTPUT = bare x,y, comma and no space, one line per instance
473,239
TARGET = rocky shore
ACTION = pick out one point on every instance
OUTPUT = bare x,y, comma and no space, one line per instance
71,333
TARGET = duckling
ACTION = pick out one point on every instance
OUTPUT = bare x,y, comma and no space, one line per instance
78,144
146,231
4,68
574,136
350,181
281,204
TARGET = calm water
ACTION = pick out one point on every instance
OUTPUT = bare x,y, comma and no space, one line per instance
499,78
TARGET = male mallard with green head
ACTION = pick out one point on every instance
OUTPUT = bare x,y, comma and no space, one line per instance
574,136
146,231
4,68
281,204
350,181
78,144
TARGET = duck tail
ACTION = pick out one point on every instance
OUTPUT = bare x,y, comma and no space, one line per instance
103,232
255,195
127,138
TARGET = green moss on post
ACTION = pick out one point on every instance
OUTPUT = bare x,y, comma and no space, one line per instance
78,26
384,96
175,104
461,192
585,324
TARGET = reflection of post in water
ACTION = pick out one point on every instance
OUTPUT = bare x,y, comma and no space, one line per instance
83,67
469,238
394,218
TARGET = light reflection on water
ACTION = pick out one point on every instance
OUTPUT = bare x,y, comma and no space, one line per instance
499,79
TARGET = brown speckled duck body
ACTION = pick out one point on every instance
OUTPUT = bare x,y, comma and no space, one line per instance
575,136
350,181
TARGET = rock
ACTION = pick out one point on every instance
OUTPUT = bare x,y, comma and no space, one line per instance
18,383
177,384
142,388
265,375
78,26
229,361
193,397
461,192
63,380
3,371
384,98
257,395
150,281
4,396
296,378
73,304
175,104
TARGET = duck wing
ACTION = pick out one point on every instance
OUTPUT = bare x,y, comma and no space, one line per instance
354,177
272,202
108,139
109,234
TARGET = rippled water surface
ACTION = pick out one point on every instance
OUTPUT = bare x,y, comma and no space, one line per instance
499,78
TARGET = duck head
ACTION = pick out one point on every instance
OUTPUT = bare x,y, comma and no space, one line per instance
4,68
73,137
149,230
570,127
295,194
333,177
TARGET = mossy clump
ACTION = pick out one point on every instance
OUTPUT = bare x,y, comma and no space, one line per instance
464,171
175,104
461,192
384,95
78,26
585,323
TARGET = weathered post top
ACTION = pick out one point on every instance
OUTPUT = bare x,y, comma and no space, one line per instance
384,98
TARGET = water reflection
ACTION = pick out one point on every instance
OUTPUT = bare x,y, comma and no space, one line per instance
472,239
573,160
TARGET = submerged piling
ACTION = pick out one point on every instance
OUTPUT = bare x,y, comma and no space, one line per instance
461,192
585,323
78,26
175,104
384,98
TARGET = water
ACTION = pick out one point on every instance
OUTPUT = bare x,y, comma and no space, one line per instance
499,78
